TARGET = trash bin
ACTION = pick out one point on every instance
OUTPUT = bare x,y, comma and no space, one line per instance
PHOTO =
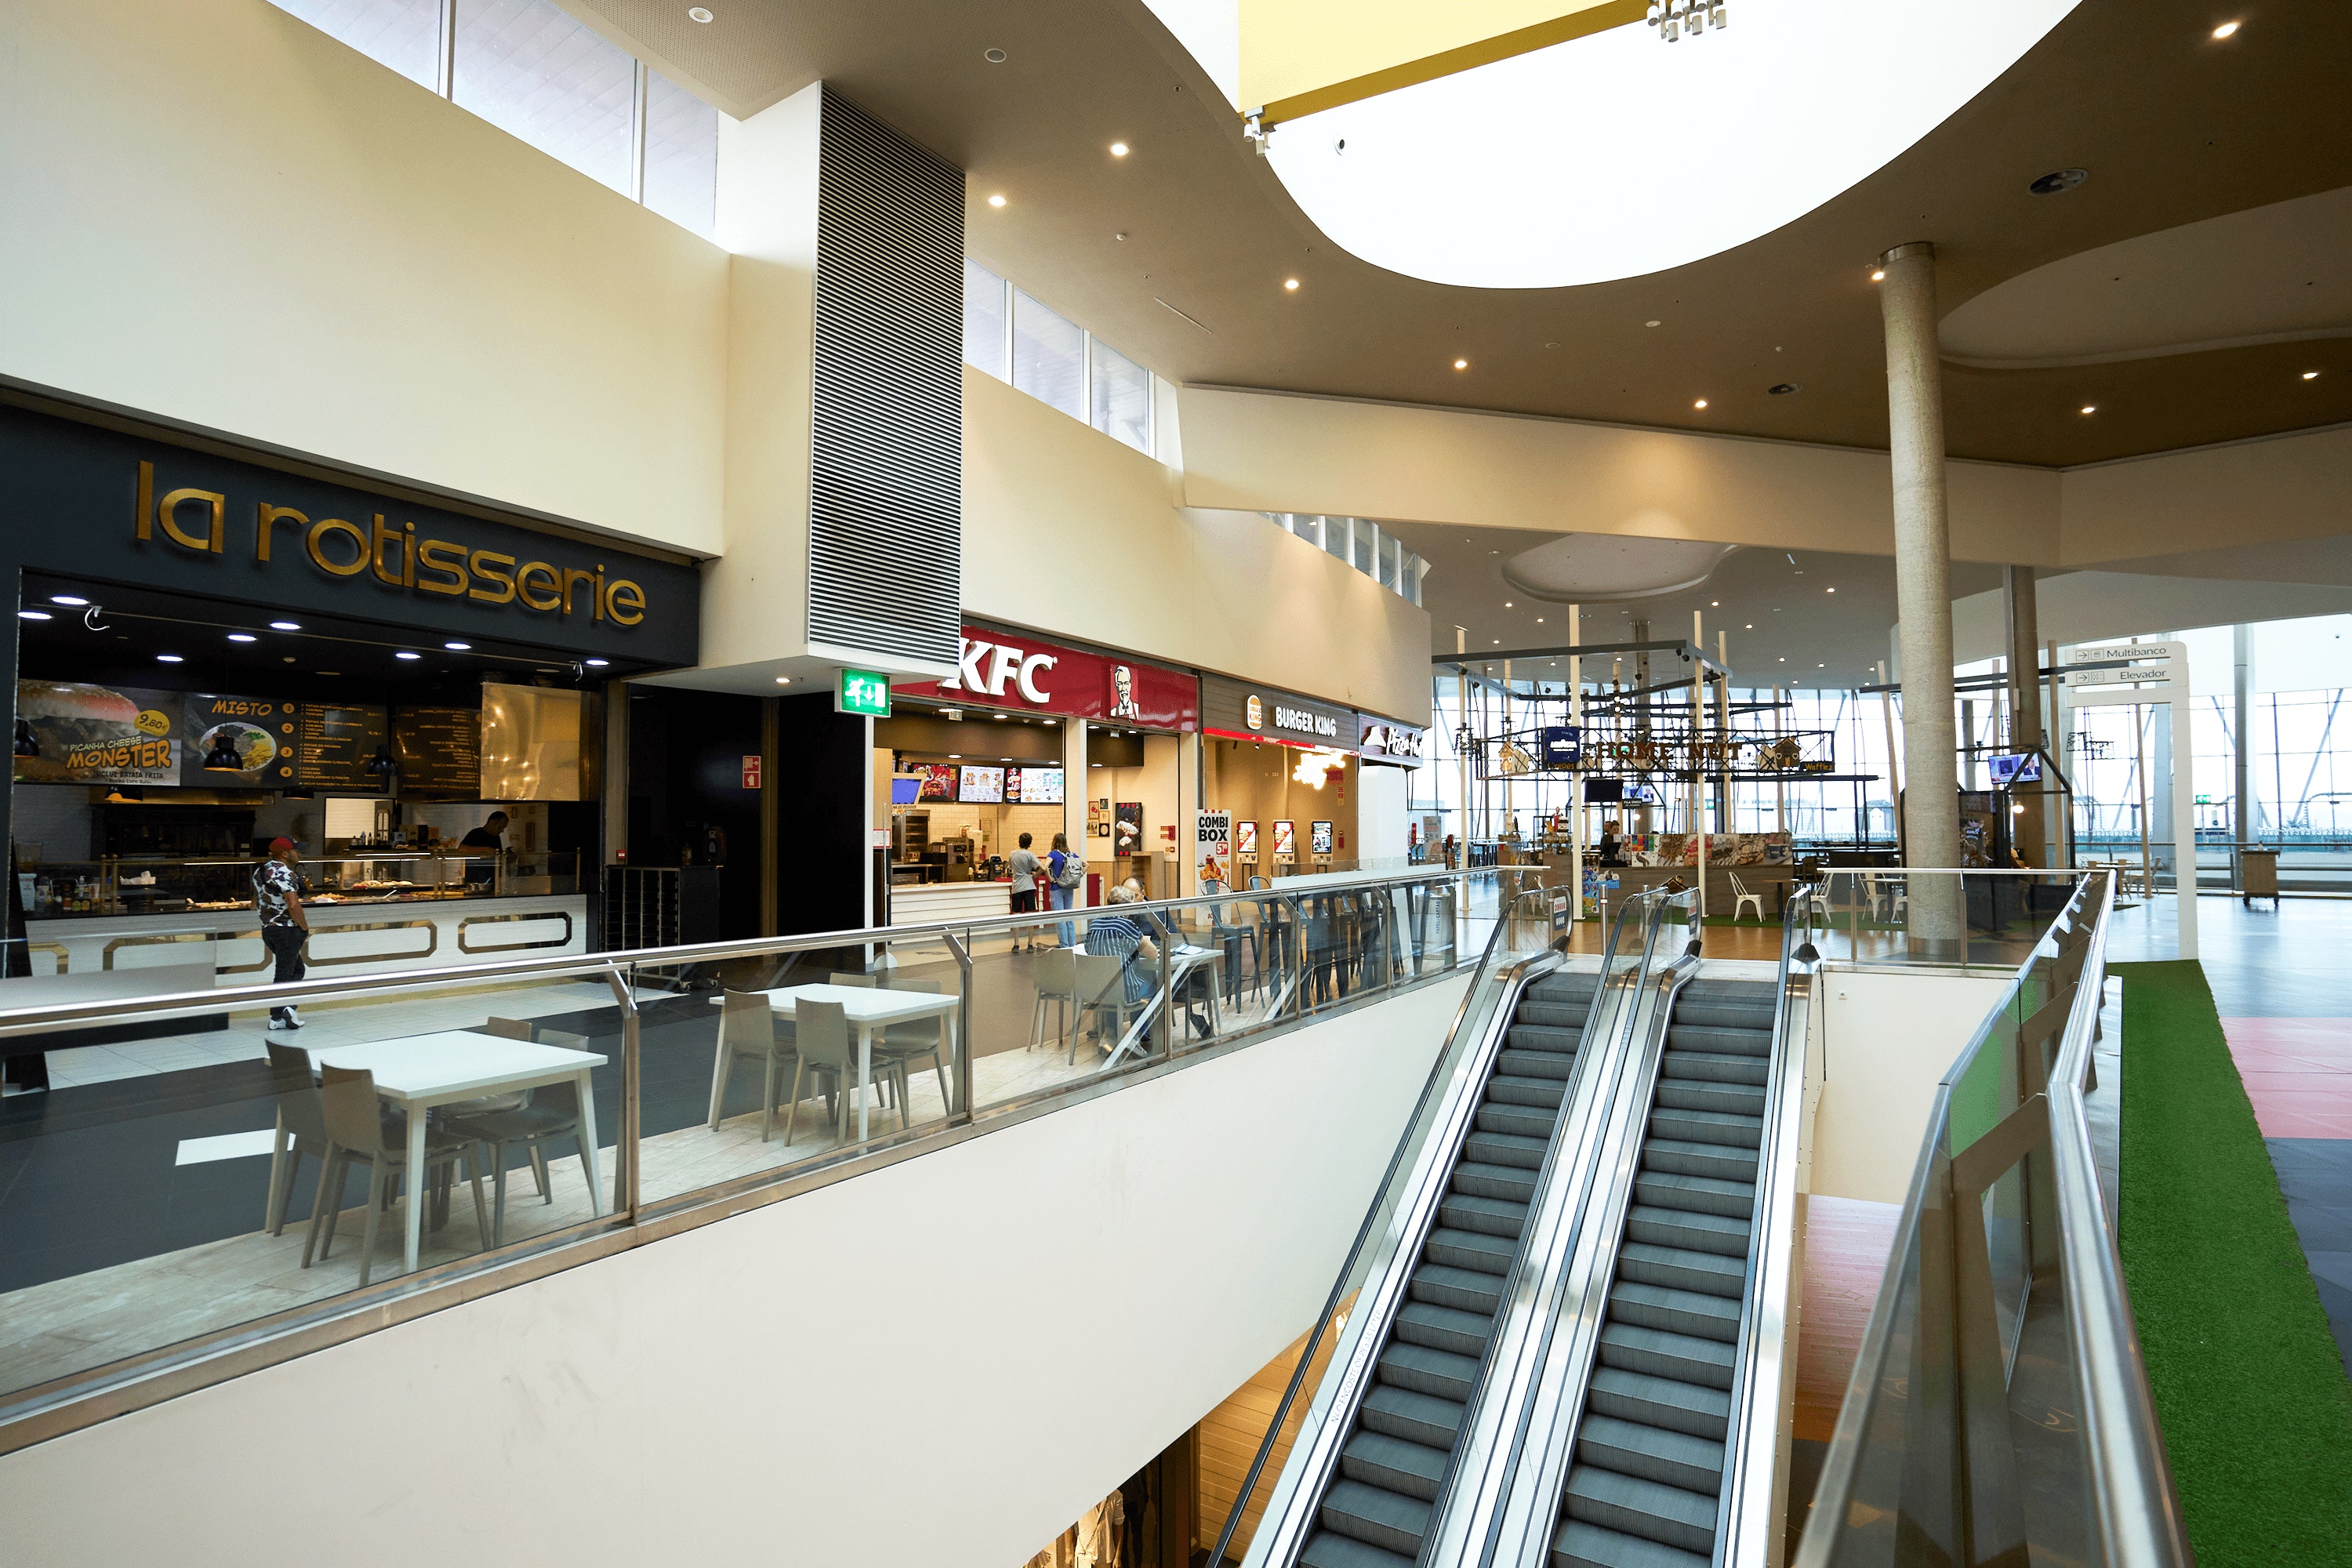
2258,876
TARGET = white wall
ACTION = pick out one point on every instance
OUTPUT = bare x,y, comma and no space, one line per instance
943,1363
1380,812
219,214
1886,1038
2092,606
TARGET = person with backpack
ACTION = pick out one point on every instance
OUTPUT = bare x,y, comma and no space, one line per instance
1066,868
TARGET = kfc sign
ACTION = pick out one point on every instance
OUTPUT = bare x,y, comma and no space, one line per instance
1011,669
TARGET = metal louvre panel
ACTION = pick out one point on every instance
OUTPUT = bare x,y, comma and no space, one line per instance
885,499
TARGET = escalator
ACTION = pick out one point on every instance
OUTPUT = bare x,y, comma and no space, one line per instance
1645,1484
1376,1511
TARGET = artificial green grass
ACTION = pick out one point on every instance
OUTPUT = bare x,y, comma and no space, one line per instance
2249,1386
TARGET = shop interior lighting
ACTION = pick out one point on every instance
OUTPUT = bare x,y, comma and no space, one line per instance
405,654
783,680
77,602
1118,148
595,663
168,658
996,201
1290,282
285,626
458,647
1461,364
2225,29
2307,375
1700,403
1878,274
2090,408
698,13
34,616
222,757
243,636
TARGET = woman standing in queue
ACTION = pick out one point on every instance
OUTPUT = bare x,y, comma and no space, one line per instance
1064,870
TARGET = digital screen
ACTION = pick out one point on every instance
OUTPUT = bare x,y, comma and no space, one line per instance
1319,837
1286,840
1039,786
1246,839
2023,767
1642,794
983,786
939,781
1603,792
905,789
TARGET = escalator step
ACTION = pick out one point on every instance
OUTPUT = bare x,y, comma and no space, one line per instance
1509,1089
1723,1162
1459,1289
1678,1125
1442,1328
1718,1041
1676,1311
1686,1358
1468,1211
1486,1148
1440,1374
1706,1094
1385,1519
1503,1183
1697,1231
1571,987
1528,1122
1681,1269
1668,1515
1325,1550
1556,1065
1659,1402
1471,1249
1544,1037
1716,1066
1582,1545
1395,1466
1701,1195
1413,1418
1652,1453
1552,1015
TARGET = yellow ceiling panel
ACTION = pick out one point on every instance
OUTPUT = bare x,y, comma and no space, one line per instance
1302,56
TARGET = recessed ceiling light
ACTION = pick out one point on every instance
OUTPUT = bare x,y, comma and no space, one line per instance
1781,389
1700,403
1461,364
2058,180
2090,408
783,680
1508,605
34,616
1715,604
1878,274
597,663
1118,148
697,12
2225,29
285,626
996,201
242,636
1290,282
993,56
1653,324
1749,627
405,654
1829,590
330,672
168,658
955,756
458,647
2307,375
1538,620
1499,642
77,604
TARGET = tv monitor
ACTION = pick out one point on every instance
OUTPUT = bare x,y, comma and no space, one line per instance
1040,786
1286,840
981,786
905,789
1245,839
2015,768
1603,792
939,781
1319,837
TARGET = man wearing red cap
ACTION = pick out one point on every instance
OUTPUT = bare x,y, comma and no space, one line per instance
278,898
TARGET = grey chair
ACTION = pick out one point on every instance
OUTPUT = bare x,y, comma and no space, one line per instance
357,1129
1055,976
1100,986
749,1028
924,1039
549,1113
843,977
825,1045
300,1114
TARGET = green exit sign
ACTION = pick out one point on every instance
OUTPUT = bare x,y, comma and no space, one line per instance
863,692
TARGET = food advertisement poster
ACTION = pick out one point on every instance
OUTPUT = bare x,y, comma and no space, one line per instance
939,781
1127,829
1286,840
1213,846
72,732
237,742
1246,845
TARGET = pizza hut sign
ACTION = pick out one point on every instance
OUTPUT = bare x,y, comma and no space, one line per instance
1012,670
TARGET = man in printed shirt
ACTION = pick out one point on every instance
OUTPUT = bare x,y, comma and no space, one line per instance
278,899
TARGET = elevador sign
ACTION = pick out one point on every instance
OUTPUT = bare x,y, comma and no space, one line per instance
115,507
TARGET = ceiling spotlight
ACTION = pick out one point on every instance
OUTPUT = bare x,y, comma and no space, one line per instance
1700,403
2090,408
1508,605
242,636
1290,282
168,658
1750,627
783,680
595,663
1878,274
1118,148
993,56
2225,29
285,626
1829,590
405,654
697,12
996,201
1461,364
69,599
34,616
2307,375
2058,180
1653,324
458,647
1715,604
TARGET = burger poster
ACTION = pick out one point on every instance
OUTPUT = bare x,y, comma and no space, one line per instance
71,732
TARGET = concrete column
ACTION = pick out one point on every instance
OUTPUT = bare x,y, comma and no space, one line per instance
1923,560
2026,830
2241,751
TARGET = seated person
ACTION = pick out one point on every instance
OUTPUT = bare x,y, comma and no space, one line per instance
1128,938
1611,848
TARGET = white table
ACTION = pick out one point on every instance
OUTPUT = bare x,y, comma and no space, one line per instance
418,1072
866,1009
1181,960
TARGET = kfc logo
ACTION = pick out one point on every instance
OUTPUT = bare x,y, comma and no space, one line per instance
1122,693
1005,663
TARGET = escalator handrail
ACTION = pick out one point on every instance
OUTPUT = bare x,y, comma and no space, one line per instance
1743,1521
1439,1072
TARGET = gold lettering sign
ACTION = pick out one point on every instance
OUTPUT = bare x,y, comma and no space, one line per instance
198,519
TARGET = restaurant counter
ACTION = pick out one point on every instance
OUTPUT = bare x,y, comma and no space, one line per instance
355,937
931,903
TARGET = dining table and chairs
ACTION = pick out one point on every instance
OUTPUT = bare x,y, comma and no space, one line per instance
868,1013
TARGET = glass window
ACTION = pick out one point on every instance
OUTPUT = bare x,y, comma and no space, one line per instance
402,34
1337,538
1049,357
983,319
537,75
681,155
1409,577
1367,536
1122,397
1388,572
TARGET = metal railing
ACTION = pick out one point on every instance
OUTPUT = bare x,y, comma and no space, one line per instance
633,1036
1997,1407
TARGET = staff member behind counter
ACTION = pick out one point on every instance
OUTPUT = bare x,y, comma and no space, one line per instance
491,835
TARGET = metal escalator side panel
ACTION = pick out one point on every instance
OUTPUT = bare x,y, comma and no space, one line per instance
1537,1471
1289,1519
1494,1428
1750,1522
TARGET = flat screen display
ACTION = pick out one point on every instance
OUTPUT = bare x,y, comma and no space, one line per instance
905,789
1246,839
1319,837
1286,840
939,781
2022,767
1039,786
983,786
1603,792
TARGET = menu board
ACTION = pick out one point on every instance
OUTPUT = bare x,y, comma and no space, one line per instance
334,744
439,751
74,732
983,786
236,742
1034,786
